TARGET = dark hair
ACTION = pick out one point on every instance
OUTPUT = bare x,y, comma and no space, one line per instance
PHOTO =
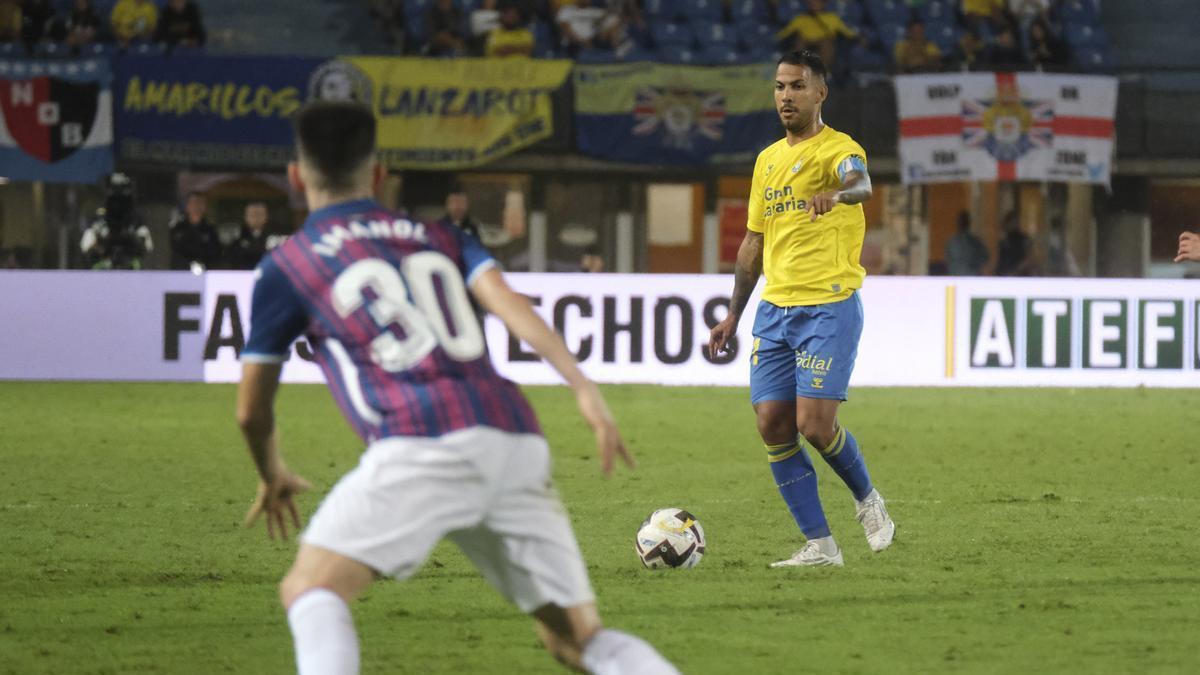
804,57
196,193
335,138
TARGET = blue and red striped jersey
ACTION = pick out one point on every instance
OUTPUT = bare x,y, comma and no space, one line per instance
384,302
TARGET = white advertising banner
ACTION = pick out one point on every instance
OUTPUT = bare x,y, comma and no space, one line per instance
1006,127
920,331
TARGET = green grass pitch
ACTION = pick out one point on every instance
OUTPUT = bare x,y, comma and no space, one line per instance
1040,531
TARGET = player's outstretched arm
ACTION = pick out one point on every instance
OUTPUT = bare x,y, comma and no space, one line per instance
1189,247
745,277
494,293
256,417
856,189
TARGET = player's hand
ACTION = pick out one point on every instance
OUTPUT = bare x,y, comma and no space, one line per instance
1189,247
609,444
721,334
274,499
822,203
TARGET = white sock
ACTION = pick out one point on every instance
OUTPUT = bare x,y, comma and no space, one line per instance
827,545
611,652
323,633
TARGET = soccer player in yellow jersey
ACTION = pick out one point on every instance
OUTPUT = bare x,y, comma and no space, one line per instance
805,233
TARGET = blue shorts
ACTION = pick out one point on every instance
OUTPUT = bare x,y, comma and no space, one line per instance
805,352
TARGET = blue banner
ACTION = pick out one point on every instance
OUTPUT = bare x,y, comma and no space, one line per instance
649,113
55,120
214,110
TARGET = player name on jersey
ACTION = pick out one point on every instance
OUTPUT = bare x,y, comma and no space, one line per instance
1083,332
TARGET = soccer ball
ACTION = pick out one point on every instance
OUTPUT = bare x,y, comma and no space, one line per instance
670,538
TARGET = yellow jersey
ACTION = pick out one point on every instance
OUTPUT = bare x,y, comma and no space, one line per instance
817,27
806,262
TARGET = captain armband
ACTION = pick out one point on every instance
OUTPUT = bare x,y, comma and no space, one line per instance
851,163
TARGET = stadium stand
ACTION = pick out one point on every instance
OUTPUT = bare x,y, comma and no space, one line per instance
675,31
746,31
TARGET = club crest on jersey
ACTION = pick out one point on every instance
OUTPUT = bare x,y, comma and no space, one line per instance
796,166
767,172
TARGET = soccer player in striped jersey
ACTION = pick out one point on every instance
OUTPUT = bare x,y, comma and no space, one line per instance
453,449
805,233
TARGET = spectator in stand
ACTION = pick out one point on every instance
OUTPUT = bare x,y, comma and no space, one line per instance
133,21
915,54
82,25
994,13
483,20
247,250
1026,12
10,20
512,37
1060,262
38,19
591,260
194,242
391,17
458,212
966,254
1004,53
1015,257
444,25
817,29
971,50
1045,51
180,25
582,26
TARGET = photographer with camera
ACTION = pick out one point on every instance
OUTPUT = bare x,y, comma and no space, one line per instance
116,239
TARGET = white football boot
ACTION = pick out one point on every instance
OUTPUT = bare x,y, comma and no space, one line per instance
877,525
812,555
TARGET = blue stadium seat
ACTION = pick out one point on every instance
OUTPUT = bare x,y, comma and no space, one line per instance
851,11
9,49
889,35
788,9
147,49
867,59
885,12
945,36
49,50
749,11
596,55
937,11
678,54
703,9
1084,35
671,35
757,38
1078,12
1093,59
543,35
666,10
720,55
706,33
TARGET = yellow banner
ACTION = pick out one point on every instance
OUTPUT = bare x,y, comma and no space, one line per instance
458,113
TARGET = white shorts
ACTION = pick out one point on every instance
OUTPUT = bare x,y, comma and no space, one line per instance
489,491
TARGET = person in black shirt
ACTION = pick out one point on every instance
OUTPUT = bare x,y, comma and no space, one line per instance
194,242
444,25
1004,53
179,24
247,250
457,208
1015,255
82,24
